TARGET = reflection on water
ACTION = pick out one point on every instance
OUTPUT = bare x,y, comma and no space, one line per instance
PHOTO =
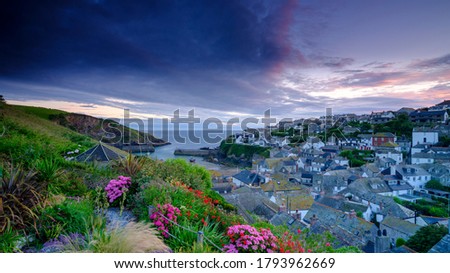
167,152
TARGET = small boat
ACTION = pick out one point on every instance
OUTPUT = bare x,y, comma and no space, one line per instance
192,160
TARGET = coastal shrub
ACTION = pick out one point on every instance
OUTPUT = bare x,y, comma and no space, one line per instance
20,195
70,183
48,169
194,204
68,216
131,165
193,175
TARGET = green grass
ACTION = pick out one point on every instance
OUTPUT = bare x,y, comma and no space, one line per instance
28,135
44,113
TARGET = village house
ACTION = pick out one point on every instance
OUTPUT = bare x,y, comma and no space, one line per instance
341,203
397,228
292,222
252,200
379,139
414,175
381,117
347,228
441,106
312,143
422,158
424,135
380,205
395,182
428,117
438,172
404,144
418,148
366,142
392,154
248,178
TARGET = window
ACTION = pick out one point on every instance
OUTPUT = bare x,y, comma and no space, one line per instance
424,140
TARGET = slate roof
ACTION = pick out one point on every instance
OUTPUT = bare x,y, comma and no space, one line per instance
222,187
284,219
443,246
422,155
432,220
365,136
401,249
417,171
102,153
423,129
341,203
400,225
427,114
289,163
248,177
250,199
390,135
401,187
445,102
374,185
388,205
348,231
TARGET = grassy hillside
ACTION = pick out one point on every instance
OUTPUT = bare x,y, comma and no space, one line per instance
28,135
41,112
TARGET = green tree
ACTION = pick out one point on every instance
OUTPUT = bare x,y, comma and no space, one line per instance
426,237
434,184
2,101
400,242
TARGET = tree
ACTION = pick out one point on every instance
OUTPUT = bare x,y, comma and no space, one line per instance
426,237
400,242
434,184
2,101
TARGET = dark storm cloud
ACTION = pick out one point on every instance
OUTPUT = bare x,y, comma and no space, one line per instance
153,36
211,54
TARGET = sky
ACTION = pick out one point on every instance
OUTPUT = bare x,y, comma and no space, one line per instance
225,58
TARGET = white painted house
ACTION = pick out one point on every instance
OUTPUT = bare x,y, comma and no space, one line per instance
424,135
414,175
395,155
422,158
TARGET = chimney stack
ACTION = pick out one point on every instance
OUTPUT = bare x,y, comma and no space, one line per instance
381,242
352,214
392,170
313,220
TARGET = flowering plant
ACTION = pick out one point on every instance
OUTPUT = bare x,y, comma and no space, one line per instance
245,238
164,216
117,187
